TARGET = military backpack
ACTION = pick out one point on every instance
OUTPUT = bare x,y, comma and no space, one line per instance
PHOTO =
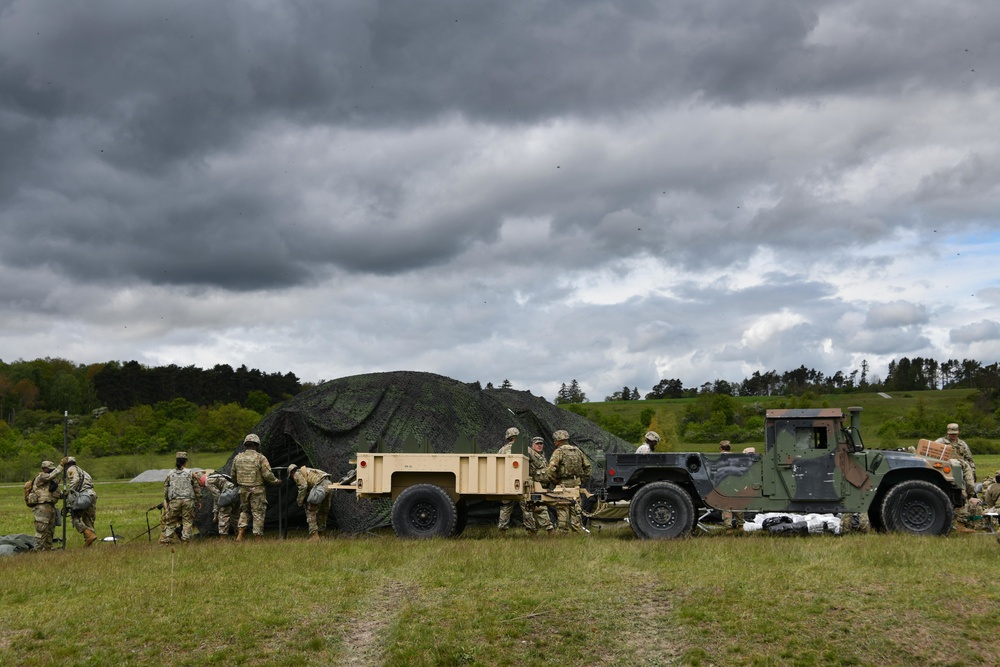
30,497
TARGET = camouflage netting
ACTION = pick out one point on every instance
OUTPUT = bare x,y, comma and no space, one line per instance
324,427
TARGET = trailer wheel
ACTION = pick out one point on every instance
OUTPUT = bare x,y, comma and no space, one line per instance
424,510
917,507
461,516
661,510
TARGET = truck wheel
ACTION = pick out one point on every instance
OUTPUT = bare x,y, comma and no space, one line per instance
661,510
424,510
917,507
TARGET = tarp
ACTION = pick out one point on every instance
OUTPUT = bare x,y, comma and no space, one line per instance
326,426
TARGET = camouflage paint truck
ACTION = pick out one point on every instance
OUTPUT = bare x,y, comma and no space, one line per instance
814,461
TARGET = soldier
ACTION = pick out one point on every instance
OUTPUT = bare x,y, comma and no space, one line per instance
45,493
536,469
251,470
567,468
961,451
649,443
217,484
725,447
81,500
991,491
180,495
507,506
312,483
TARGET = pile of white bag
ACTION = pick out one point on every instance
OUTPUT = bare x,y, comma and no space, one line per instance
794,524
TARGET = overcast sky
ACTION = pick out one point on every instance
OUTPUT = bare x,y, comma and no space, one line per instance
613,192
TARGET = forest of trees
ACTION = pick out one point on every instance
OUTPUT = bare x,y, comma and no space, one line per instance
903,375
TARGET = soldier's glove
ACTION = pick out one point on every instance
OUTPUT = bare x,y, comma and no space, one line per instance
63,461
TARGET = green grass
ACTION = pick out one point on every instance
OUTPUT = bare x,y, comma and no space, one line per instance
606,599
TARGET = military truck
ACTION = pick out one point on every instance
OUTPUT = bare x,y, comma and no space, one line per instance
814,462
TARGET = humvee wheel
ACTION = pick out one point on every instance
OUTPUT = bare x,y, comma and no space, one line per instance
661,510
424,510
917,507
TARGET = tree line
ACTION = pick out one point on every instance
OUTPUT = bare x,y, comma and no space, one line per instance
906,374
62,386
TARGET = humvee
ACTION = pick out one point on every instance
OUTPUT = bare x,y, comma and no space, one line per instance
814,462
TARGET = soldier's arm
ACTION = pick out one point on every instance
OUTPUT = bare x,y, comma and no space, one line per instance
265,471
166,489
48,477
303,486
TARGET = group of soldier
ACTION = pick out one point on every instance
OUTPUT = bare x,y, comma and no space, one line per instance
250,475
244,490
568,468
251,472
43,491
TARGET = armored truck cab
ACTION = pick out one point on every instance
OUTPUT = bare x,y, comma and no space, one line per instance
814,461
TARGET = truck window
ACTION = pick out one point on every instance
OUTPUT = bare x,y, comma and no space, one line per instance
811,438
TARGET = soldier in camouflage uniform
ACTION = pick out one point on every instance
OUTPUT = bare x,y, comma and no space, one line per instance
251,470
45,493
567,468
507,506
217,483
991,492
307,479
648,443
80,488
536,469
181,490
960,450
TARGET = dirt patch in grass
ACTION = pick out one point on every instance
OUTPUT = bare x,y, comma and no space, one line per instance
650,637
364,635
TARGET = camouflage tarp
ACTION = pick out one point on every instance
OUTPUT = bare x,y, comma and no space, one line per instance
325,426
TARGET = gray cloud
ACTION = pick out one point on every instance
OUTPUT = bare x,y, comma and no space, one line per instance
526,191
985,330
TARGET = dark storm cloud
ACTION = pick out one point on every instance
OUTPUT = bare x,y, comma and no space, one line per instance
143,90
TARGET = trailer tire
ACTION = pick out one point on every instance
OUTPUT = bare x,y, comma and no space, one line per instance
461,517
422,511
661,510
917,507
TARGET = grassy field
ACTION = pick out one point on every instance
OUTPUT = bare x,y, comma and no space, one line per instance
482,599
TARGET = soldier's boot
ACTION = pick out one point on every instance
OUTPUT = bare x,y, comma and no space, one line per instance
239,535
962,528
258,536
314,537
88,537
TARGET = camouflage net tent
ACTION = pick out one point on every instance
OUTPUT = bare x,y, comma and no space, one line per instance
325,426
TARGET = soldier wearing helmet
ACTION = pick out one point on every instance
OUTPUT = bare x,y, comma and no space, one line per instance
961,452
81,500
507,506
649,443
312,483
251,470
536,469
45,493
568,467
218,484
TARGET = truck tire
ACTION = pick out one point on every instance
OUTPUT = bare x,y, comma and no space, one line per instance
661,510
917,507
424,510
